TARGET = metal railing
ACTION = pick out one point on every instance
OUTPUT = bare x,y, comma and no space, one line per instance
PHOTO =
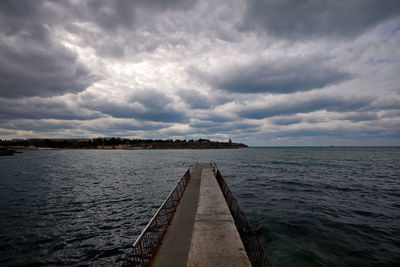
149,240
252,243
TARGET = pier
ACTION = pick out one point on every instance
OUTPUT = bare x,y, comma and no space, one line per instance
199,224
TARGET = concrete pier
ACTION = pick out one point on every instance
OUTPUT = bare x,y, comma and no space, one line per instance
202,231
174,249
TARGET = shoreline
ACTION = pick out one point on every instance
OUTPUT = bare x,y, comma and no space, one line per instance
116,143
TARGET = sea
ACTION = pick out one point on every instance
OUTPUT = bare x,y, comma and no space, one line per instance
310,206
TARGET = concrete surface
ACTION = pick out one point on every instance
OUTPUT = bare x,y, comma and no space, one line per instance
202,231
215,239
175,246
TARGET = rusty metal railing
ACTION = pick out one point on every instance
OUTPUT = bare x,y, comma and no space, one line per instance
255,250
149,240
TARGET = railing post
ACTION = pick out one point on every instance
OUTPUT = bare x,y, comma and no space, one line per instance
238,209
253,245
166,212
147,242
177,197
141,253
157,227
178,188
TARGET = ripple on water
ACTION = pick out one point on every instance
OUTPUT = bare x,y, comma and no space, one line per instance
310,206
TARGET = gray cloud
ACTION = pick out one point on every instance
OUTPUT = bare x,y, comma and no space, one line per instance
216,117
43,108
104,126
251,60
286,120
119,28
195,99
306,105
315,132
232,128
145,104
112,15
150,98
16,15
343,132
38,125
116,127
360,116
116,110
295,19
33,71
285,75
31,62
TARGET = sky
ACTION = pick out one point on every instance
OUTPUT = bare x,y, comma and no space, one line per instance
274,73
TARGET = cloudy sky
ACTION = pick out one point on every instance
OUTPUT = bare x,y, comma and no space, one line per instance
287,72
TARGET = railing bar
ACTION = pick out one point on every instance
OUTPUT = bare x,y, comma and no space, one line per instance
166,212
177,198
147,226
254,248
141,253
148,240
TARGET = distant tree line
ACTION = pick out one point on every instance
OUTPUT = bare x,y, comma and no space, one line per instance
108,141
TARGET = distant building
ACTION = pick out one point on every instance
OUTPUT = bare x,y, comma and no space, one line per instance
113,147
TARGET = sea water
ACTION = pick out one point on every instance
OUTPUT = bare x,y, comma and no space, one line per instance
311,206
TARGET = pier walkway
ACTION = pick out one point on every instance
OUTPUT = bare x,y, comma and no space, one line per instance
202,231
174,249
199,224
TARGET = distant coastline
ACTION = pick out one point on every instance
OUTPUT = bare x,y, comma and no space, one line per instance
116,143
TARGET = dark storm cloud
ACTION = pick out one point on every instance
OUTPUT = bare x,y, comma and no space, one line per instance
150,98
296,19
216,117
230,128
106,127
207,126
257,66
31,63
391,114
119,29
194,99
386,103
361,116
43,108
38,125
313,103
162,114
338,132
120,14
313,132
233,128
286,75
146,104
16,15
33,71
286,120
124,125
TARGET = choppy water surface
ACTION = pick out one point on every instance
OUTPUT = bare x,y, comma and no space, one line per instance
310,206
